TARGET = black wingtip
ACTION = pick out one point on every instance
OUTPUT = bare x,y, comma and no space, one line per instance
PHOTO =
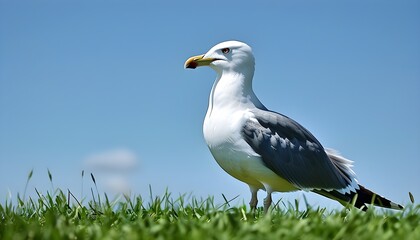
361,199
365,196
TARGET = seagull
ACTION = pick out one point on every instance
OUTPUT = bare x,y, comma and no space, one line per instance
265,149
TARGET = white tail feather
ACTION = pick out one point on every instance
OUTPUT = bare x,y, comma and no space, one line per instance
344,165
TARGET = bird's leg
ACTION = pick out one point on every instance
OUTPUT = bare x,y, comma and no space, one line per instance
267,202
254,199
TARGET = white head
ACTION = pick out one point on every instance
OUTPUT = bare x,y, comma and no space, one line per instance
225,57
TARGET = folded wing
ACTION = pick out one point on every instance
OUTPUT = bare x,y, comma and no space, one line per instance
293,153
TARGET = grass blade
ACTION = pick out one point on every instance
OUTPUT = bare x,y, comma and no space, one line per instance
27,181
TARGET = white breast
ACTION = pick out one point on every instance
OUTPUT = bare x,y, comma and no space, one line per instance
229,104
222,134
235,156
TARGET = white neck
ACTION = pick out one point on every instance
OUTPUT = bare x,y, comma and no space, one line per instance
233,90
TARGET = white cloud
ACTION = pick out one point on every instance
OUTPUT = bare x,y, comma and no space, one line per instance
116,160
112,169
118,184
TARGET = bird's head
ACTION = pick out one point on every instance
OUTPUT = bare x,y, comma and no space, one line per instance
225,56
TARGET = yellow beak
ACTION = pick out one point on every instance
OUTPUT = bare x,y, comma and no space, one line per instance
198,61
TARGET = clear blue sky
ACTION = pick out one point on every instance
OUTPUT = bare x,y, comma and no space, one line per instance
87,78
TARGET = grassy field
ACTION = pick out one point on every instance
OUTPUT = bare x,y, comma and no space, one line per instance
60,215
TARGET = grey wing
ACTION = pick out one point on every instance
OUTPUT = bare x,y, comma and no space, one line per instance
292,152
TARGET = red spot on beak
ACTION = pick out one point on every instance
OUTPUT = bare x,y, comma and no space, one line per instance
192,64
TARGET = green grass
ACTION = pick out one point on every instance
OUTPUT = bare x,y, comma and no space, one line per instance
59,215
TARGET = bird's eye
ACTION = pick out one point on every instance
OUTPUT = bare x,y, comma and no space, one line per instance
225,50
